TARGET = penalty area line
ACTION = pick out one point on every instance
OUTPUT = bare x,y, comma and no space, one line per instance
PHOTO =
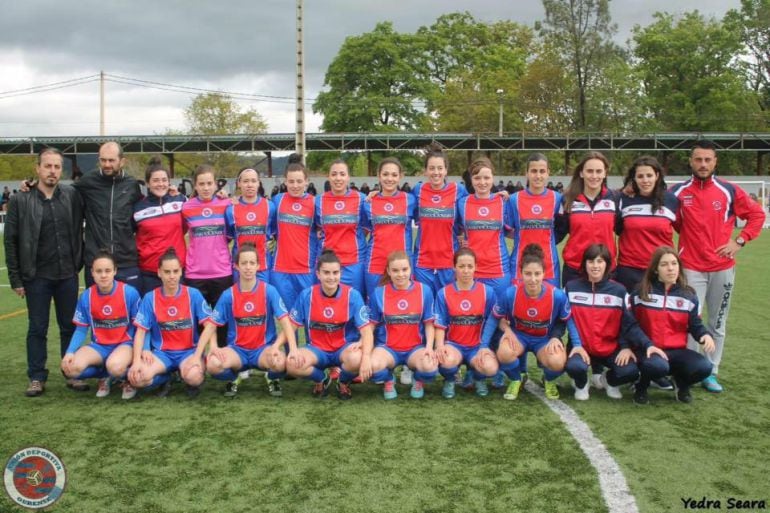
613,484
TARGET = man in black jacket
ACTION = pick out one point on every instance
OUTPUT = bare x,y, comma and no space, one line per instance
44,254
108,198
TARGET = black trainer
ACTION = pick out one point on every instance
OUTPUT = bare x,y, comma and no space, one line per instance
662,383
640,396
164,389
193,392
683,394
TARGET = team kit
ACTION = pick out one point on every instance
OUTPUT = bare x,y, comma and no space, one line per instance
216,277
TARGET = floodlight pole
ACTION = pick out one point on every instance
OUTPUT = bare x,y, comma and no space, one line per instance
101,103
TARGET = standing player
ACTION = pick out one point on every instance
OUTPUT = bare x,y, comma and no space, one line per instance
587,213
296,241
251,220
708,209
166,332
534,316
402,310
338,217
461,309
388,216
107,308
336,323
248,309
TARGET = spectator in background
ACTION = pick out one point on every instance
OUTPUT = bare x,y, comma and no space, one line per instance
509,187
560,187
311,189
406,187
519,186
365,189
6,196
353,186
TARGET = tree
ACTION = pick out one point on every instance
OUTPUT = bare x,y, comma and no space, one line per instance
219,114
372,84
582,32
752,23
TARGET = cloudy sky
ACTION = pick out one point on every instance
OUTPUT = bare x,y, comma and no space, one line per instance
244,46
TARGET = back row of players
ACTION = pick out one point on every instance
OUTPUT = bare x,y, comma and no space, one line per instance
447,217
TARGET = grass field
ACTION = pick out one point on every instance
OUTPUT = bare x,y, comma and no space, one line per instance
257,453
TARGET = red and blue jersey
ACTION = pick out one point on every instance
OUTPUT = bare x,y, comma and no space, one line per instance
330,322
249,315
251,222
668,316
208,254
109,316
294,229
533,218
534,319
339,219
641,231
399,315
389,219
172,322
462,313
437,229
158,225
485,222
589,222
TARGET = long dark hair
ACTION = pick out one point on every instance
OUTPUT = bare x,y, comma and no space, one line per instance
576,185
651,274
660,183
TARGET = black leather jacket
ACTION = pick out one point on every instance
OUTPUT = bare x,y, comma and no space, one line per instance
22,231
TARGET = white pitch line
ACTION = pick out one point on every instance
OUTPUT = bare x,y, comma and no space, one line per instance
613,484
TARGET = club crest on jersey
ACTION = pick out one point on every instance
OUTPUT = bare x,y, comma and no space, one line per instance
172,311
483,211
532,312
175,206
606,204
717,205
251,216
402,304
339,205
248,306
679,303
206,212
436,198
328,312
465,305
296,207
607,300
107,310
388,207
537,209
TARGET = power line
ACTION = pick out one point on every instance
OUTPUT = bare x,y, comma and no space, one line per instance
48,87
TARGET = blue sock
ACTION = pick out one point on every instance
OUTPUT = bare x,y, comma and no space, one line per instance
225,375
158,380
478,376
425,377
271,375
551,375
381,376
511,370
93,372
448,372
346,376
317,375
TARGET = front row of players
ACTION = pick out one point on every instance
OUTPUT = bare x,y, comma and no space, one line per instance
621,339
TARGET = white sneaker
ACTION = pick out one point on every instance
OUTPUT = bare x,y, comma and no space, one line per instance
581,394
597,381
407,375
614,392
103,389
129,392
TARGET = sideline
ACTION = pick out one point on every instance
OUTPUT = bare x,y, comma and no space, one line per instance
613,484
12,314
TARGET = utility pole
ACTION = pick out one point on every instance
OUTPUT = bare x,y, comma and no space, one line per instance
300,125
101,103
500,93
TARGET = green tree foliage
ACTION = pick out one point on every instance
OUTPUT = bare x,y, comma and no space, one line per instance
752,23
372,84
219,114
690,81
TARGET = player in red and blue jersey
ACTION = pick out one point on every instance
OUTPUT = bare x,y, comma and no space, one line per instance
587,214
646,220
166,337
295,233
436,218
461,310
338,215
388,217
107,308
533,213
402,310
208,267
248,309
534,316
251,220
485,222
336,323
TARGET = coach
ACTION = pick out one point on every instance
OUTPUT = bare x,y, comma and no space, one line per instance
708,207
44,254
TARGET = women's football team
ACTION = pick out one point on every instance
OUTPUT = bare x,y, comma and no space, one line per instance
344,267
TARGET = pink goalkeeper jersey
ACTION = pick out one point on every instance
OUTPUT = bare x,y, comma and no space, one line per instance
208,255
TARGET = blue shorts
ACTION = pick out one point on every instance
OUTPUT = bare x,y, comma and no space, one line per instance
499,285
249,357
353,275
401,357
289,285
106,350
172,359
534,345
327,359
469,353
434,278
372,282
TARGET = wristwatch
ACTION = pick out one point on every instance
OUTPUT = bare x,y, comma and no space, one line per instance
740,241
